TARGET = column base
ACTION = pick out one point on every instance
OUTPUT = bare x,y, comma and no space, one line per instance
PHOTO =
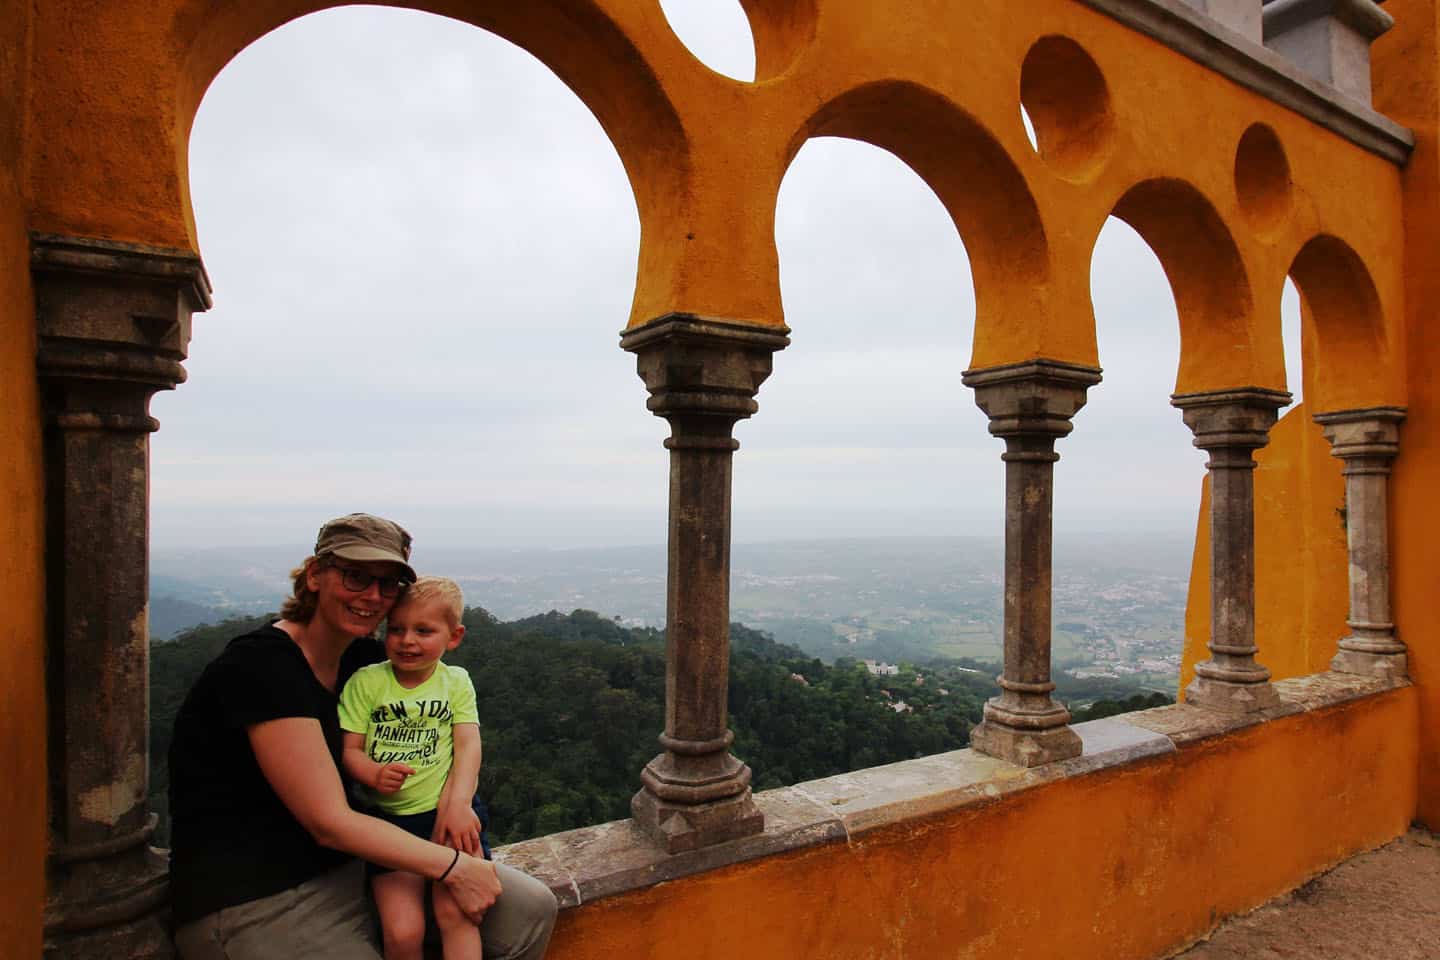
128,920
1231,696
678,827
1025,748
1381,666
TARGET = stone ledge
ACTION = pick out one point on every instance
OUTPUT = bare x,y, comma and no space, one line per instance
1255,67
614,858
1184,724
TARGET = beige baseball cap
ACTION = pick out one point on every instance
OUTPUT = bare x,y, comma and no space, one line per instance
361,536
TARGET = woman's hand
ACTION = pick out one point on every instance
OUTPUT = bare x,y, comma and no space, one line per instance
474,884
457,827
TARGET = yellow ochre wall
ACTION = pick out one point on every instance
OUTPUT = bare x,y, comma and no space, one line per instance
937,84
22,629
1120,865
94,132
1407,87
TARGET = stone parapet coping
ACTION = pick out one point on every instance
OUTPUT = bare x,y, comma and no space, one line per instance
615,858
1192,34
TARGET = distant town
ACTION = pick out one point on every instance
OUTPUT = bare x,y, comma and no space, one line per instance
1119,601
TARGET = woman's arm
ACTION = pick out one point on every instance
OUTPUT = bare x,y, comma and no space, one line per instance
293,757
456,824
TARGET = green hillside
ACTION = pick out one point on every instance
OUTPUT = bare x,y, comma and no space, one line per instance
570,706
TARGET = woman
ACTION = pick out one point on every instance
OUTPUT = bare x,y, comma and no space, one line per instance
263,839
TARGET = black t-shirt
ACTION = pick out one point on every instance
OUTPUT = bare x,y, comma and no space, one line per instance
232,840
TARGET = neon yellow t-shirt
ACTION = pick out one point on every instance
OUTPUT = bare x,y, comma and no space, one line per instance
410,725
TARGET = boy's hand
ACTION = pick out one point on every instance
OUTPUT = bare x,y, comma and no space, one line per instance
457,827
391,777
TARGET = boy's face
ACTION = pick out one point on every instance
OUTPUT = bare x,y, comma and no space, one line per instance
417,635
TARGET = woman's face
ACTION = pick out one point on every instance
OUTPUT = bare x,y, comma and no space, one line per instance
349,611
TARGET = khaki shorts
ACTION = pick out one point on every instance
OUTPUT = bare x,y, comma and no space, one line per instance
328,918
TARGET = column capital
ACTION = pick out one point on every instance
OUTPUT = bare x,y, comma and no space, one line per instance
703,367
1371,434
114,326
1235,418
1031,398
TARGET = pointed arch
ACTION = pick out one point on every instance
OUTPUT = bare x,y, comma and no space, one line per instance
1341,308
1208,278
976,181
579,40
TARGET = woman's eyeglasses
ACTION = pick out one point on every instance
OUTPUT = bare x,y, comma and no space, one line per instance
359,581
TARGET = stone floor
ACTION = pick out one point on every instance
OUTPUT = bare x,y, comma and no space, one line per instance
1382,905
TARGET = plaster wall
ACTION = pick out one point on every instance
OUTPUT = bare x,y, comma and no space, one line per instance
1407,86
1126,863
22,629
910,78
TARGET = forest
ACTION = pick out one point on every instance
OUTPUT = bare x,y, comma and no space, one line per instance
570,706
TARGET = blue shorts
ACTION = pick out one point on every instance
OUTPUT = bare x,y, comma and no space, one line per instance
422,825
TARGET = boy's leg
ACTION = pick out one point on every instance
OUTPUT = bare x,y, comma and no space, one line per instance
400,901
459,937
519,924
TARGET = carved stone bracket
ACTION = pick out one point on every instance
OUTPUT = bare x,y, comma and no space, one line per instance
1231,425
114,324
1030,405
1368,441
702,376
1328,39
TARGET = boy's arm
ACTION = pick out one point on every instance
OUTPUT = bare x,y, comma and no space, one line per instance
380,777
455,822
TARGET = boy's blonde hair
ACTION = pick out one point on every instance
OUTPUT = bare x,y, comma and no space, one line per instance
436,588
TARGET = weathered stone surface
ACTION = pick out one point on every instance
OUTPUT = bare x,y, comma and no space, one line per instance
583,865
1029,405
702,376
1367,441
1328,39
1323,690
1241,16
1184,723
114,324
1230,425
1113,741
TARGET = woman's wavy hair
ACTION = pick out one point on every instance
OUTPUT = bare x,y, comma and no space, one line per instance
299,607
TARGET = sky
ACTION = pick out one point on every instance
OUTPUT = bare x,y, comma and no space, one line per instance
423,249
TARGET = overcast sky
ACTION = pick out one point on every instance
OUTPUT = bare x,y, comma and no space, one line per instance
423,248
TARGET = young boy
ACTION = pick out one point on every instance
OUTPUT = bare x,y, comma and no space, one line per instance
412,740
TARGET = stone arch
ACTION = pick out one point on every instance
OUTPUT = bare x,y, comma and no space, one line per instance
126,176
1342,315
782,30
1208,278
980,187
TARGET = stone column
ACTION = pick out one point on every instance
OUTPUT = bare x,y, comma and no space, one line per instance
1030,405
702,376
114,324
1231,425
1367,441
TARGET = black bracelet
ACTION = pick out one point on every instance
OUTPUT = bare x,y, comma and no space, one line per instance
441,878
